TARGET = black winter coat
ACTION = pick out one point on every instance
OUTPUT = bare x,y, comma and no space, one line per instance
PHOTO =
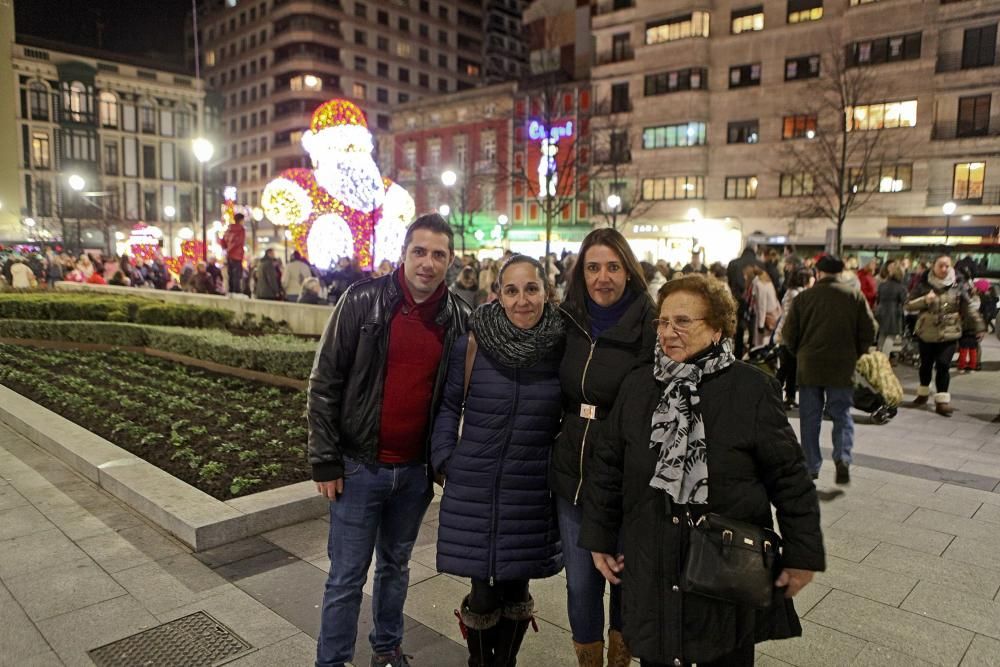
344,407
754,461
497,515
591,372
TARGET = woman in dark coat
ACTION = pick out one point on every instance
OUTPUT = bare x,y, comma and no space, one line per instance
697,432
497,521
608,312
889,308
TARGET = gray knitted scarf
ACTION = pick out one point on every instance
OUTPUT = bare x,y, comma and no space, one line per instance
678,429
511,346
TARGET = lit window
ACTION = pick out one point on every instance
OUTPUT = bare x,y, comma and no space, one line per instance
109,109
674,136
403,49
741,187
883,115
800,11
40,150
750,19
694,24
676,187
359,91
969,178
887,178
796,185
798,127
305,82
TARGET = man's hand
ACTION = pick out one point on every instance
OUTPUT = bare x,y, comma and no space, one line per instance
794,579
930,297
331,490
608,565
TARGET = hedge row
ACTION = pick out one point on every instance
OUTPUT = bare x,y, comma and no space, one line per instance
285,356
99,308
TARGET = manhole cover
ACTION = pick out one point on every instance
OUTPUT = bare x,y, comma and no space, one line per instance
190,641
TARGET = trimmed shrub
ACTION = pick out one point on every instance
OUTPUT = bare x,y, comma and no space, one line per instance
79,306
174,315
284,356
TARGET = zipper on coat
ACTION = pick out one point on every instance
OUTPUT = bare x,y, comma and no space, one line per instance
496,480
586,429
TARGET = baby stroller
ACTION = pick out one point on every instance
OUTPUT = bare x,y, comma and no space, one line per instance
765,358
909,351
877,391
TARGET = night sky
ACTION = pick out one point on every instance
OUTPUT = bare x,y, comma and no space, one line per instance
134,27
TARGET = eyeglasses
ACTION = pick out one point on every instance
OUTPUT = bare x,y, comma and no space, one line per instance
681,323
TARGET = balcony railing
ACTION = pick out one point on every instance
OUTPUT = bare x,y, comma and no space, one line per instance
486,167
615,56
948,129
612,156
990,197
609,6
952,62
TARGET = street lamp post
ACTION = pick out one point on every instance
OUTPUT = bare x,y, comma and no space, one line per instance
614,205
169,212
203,152
449,178
948,209
78,184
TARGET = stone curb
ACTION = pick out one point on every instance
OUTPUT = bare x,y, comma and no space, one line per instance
194,517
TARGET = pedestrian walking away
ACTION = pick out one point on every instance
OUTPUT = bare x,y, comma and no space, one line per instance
829,328
608,312
498,521
945,310
233,242
699,436
376,381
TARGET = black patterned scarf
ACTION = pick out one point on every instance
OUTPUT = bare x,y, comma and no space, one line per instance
511,346
678,430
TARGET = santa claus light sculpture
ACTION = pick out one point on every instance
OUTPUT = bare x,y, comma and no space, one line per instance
343,207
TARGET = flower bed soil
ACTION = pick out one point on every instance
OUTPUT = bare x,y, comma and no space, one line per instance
227,436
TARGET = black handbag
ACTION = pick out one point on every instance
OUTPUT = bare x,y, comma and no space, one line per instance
731,560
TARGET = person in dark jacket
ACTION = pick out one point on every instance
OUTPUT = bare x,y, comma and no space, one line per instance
736,273
889,308
698,432
497,522
608,332
829,328
267,284
374,387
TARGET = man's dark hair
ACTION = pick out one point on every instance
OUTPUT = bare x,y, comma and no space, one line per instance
238,218
432,222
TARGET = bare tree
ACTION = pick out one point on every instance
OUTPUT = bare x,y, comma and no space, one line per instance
466,197
831,164
615,180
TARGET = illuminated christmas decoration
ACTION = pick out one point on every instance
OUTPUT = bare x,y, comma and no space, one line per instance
144,242
346,190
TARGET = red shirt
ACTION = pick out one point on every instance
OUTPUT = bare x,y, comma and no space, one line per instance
415,347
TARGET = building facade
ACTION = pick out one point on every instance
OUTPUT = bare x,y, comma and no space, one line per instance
275,61
716,97
121,125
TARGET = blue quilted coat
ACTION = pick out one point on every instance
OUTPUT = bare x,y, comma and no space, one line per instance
497,517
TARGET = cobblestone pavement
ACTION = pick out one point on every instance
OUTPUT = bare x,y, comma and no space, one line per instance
913,572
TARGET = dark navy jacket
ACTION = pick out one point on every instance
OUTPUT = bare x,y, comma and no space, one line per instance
497,516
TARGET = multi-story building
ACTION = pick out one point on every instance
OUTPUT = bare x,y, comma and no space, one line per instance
716,97
123,126
505,53
275,61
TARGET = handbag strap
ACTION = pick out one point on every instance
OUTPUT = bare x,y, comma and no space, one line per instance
470,360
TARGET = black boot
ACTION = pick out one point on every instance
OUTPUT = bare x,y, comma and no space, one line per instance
514,622
480,632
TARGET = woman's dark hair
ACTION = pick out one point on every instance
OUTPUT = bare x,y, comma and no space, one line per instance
800,278
576,290
432,222
648,271
720,307
522,259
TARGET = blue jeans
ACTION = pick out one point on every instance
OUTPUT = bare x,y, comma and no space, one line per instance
838,401
584,582
380,510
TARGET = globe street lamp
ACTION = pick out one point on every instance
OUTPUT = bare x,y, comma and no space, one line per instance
444,210
948,209
614,205
203,151
503,219
168,213
449,178
77,183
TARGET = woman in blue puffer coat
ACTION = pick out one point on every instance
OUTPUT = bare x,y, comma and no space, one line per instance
497,521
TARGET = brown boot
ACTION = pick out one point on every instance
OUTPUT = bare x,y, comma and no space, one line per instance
923,394
618,653
942,404
589,655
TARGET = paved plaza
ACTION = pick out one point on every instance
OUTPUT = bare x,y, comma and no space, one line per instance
913,562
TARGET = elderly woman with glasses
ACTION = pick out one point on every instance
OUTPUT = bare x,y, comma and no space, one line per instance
698,432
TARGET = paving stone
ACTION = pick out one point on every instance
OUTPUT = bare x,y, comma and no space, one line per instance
74,633
893,628
130,547
846,544
874,655
79,522
763,660
293,590
989,513
19,638
299,649
984,652
56,590
244,615
981,531
818,646
957,608
426,556
889,509
306,540
9,497
884,530
256,564
866,581
810,596
985,497
893,478
234,551
431,648
974,552
171,582
964,577
958,506
21,554
23,520
432,603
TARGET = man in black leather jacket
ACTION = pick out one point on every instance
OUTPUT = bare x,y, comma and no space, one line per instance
374,388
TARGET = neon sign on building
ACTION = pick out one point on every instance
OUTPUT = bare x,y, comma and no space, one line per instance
548,167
